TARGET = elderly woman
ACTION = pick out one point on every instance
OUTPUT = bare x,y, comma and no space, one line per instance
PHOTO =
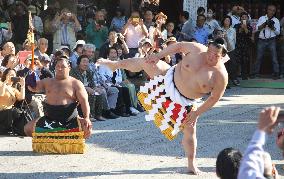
8,96
66,25
97,99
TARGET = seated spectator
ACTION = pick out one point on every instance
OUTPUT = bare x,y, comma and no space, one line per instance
185,27
114,39
42,46
8,48
66,50
228,163
68,21
10,61
254,162
9,94
82,73
118,21
76,52
114,79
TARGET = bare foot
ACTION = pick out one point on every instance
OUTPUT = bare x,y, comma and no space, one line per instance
193,170
106,62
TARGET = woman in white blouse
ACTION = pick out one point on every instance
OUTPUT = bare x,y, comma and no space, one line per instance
229,34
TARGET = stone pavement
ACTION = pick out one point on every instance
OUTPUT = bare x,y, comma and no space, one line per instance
134,148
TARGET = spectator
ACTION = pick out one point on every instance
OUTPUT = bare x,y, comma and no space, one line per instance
234,14
170,29
41,50
228,163
133,31
66,26
269,28
200,31
243,43
114,79
118,21
110,93
37,22
82,73
5,30
20,24
185,27
253,162
175,58
8,48
114,39
229,35
10,61
148,19
211,23
9,94
76,52
200,11
158,33
66,50
97,32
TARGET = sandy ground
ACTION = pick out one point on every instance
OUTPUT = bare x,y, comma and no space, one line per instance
134,148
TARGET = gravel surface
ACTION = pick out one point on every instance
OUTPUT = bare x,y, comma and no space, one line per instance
133,148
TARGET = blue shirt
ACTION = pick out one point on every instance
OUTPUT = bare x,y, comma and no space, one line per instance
252,165
201,34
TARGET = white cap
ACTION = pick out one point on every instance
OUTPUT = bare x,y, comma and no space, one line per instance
79,42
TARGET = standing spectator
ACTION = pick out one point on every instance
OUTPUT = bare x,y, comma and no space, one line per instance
211,23
20,24
97,32
118,21
200,31
114,39
158,33
170,29
148,19
229,35
243,34
36,21
76,52
5,30
185,27
269,28
133,31
66,25
234,14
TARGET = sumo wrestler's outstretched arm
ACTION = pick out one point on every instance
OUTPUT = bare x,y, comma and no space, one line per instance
130,64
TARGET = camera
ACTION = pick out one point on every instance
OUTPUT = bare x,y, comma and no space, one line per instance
270,23
15,79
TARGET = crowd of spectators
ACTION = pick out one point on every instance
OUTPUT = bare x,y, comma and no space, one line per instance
112,94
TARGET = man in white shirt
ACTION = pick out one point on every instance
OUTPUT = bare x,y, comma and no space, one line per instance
254,162
269,28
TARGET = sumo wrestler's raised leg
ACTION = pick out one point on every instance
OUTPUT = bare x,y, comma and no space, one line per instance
189,143
29,128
